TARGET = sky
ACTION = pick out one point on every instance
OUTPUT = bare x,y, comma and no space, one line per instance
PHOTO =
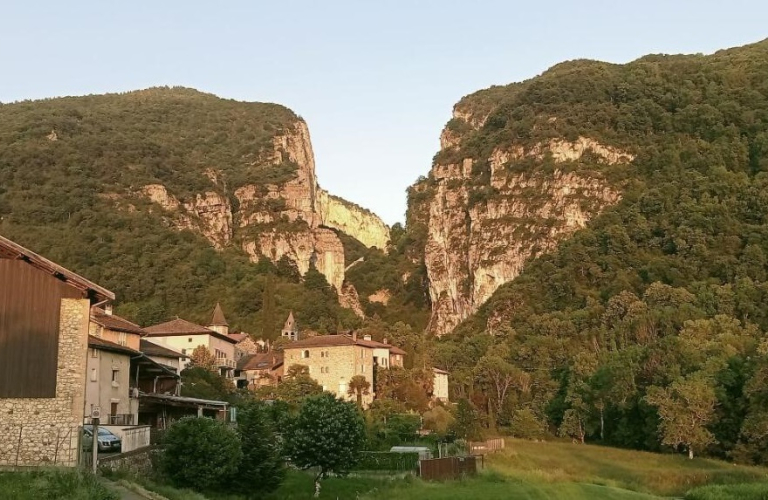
375,81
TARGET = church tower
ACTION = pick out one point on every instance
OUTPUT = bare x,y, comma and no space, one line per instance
218,321
290,329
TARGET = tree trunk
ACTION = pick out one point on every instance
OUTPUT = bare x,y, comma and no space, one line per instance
602,425
317,484
690,453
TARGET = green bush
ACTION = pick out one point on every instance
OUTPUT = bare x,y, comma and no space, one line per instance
387,461
201,453
526,425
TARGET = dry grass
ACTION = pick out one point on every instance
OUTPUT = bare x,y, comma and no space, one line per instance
666,475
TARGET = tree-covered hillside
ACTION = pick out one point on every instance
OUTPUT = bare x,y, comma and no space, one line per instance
647,328
72,172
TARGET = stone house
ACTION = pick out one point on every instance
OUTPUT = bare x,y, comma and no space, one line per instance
334,359
44,324
246,345
184,336
259,370
440,385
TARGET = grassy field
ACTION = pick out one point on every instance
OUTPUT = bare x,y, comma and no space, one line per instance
524,470
652,473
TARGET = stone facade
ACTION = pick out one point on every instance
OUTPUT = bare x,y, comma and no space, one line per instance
46,431
334,366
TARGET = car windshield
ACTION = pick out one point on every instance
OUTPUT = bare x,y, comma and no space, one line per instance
104,432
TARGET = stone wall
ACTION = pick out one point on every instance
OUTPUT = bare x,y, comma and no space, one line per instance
46,431
334,366
136,462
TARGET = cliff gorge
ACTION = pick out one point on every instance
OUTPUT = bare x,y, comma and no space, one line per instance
487,216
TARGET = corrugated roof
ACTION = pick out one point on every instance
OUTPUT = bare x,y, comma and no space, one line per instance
116,323
11,250
180,326
152,349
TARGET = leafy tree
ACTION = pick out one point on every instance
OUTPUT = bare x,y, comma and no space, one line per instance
261,468
359,387
198,382
466,425
296,386
685,408
201,453
202,357
525,424
438,420
328,434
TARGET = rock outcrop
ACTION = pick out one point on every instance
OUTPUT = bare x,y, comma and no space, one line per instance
480,234
294,218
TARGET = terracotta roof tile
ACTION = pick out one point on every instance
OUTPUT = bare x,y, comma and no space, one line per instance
178,327
152,349
106,345
260,361
116,323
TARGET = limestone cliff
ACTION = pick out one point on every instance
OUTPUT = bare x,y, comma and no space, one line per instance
485,216
293,218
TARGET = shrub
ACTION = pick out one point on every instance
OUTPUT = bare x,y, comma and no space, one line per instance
201,453
261,463
387,461
526,425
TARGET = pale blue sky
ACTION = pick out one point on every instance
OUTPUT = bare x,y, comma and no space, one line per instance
376,81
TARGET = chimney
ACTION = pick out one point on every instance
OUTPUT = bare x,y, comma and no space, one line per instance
367,337
108,309
354,336
385,340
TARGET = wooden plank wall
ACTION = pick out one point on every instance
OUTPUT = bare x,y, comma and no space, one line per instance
447,468
30,302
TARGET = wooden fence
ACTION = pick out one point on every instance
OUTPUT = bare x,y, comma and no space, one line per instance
447,468
483,447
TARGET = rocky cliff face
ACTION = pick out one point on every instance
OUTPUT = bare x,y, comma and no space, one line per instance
293,219
486,216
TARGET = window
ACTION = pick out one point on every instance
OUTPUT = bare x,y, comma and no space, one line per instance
305,354
189,339
93,372
121,339
94,353
115,375
184,352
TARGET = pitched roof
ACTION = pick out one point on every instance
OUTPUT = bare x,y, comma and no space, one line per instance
260,361
116,323
438,370
152,349
218,318
105,345
178,327
341,340
321,341
238,337
11,250
290,323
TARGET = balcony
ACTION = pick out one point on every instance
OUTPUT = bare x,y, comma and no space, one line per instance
226,363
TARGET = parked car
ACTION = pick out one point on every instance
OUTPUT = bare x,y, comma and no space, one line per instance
107,440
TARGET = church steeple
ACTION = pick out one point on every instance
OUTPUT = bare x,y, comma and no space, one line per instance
290,329
218,321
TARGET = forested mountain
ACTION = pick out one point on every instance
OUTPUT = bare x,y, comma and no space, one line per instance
617,217
176,199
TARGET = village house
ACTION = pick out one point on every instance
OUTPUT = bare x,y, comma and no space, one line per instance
440,385
44,325
245,345
184,336
108,384
259,370
163,355
333,360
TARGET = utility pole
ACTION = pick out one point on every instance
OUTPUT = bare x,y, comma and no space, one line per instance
95,447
